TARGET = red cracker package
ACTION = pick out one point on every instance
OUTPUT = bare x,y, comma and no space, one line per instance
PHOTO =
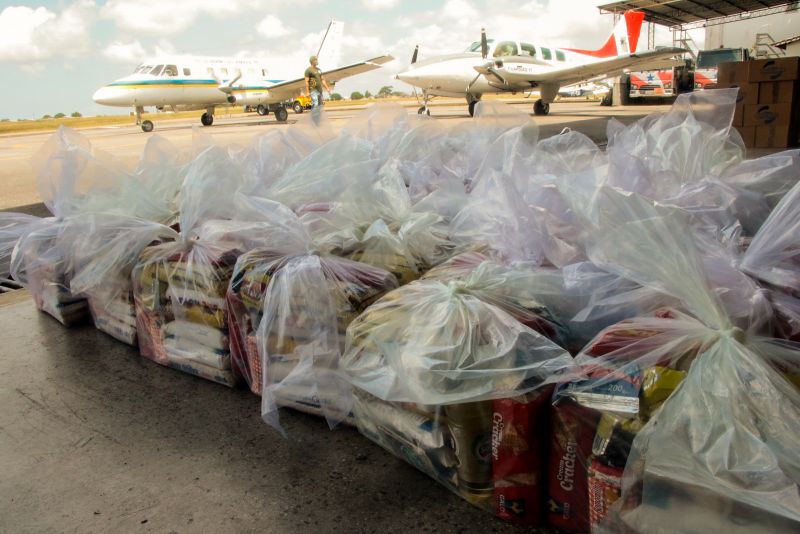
518,446
572,429
605,487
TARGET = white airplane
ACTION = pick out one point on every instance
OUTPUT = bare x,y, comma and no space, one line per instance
193,83
523,67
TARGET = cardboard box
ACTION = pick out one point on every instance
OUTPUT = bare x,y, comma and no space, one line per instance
748,92
774,70
738,116
781,136
732,72
769,115
784,92
748,134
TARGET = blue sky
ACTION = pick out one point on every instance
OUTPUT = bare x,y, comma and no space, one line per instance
54,54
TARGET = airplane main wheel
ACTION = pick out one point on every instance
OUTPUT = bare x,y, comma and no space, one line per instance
207,119
262,110
541,108
147,126
425,110
471,107
281,114
297,107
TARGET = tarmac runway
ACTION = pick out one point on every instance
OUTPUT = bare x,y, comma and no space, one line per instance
126,142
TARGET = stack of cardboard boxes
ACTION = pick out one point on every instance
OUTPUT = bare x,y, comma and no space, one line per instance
768,107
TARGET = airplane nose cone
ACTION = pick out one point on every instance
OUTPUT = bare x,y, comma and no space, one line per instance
112,96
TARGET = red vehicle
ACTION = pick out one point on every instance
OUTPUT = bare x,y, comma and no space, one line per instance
661,83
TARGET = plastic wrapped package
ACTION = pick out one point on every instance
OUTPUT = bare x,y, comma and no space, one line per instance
290,304
773,255
383,125
377,225
674,421
12,226
103,250
39,262
76,179
446,375
284,303
433,155
271,154
179,287
658,154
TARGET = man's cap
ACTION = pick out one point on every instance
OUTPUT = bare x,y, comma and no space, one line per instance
312,58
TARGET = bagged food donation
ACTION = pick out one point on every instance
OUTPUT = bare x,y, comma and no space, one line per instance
179,286
678,420
75,179
453,376
290,304
103,250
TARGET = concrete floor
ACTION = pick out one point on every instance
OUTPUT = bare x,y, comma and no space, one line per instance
93,438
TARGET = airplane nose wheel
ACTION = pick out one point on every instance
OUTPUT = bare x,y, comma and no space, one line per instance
207,119
540,107
471,107
424,110
147,126
262,110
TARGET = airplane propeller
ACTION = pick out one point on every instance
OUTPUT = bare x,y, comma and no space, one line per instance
414,55
227,88
484,54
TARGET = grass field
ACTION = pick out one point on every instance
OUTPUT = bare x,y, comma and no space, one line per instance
43,125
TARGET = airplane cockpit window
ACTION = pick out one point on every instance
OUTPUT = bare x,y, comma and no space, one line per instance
210,71
505,48
527,50
187,71
547,54
170,70
143,69
560,55
224,72
156,70
476,46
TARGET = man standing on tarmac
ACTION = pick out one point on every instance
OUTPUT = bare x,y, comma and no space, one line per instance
315,82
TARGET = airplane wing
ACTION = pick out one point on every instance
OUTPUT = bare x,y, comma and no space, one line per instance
601,69
292,88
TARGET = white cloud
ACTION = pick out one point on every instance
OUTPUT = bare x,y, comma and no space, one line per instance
32,68
160,17
128,53
272,27
378,5
28,34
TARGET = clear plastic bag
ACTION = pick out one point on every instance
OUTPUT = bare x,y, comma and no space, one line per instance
179,287
450,376
103,250
695,410
12,226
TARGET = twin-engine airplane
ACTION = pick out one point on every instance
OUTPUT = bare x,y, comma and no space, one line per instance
523,67
193,83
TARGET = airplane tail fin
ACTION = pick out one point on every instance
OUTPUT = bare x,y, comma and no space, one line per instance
624,40
330,49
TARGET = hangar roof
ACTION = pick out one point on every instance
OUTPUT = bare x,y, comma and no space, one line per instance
682,12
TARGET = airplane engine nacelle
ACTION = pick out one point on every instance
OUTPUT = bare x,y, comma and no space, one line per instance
249,98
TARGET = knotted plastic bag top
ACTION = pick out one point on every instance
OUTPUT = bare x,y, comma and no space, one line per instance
436,343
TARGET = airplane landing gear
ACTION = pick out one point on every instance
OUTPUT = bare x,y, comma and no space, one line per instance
472,101
281,114
540,107
262,110
424,110
207,119
147,126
